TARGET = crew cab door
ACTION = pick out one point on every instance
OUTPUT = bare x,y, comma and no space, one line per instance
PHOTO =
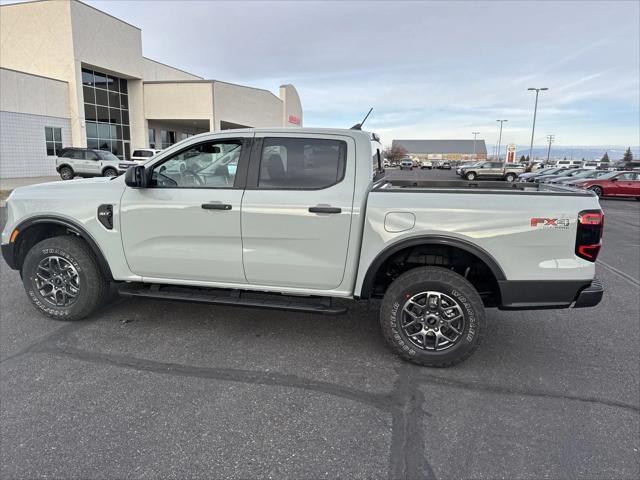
296,210
186,224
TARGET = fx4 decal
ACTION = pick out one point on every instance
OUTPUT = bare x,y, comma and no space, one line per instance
550,222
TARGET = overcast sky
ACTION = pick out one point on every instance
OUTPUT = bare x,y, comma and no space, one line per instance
429,69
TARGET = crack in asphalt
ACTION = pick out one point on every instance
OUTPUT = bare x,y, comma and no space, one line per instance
404,402
625,276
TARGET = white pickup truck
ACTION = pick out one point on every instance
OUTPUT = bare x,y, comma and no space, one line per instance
293,219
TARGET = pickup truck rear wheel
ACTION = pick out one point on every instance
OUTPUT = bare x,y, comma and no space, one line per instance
62,278
470,176
432,317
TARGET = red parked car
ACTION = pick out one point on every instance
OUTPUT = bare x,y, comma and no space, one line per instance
614,184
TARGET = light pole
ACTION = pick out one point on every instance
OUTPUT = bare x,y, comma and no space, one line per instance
475,157
500,137
550,139
535,111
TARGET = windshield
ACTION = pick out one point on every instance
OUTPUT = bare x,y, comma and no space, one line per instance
104,155
609,175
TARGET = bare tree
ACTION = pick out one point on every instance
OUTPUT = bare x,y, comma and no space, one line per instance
394,153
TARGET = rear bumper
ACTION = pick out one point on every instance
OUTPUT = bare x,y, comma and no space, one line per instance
590,296
534,295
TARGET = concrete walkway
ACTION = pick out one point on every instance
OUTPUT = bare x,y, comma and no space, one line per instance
11,183
8,184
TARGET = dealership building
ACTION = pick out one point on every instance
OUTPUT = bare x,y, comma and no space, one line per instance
72,75
448,150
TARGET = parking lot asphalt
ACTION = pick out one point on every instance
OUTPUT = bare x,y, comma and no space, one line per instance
159,389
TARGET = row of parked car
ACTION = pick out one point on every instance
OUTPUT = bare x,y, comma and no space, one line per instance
87,162
409,164
605,183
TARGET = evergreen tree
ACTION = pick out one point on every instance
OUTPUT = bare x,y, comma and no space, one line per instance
605,158
628,156
522,159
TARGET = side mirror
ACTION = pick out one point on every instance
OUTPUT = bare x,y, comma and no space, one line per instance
136,177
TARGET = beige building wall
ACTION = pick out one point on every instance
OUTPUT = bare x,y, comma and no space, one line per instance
32,94
188,100
292,108
159,72
49,52
112,46
245,106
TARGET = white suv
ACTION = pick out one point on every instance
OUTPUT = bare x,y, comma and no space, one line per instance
86,162
144,154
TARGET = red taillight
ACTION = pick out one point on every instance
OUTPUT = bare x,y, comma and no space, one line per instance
591,218
589,234
589,252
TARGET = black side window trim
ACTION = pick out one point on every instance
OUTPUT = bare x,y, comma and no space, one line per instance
253,175
241,171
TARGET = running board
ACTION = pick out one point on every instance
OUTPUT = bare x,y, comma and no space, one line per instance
321,305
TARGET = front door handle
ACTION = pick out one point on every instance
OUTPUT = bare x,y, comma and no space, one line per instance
216,206
325,210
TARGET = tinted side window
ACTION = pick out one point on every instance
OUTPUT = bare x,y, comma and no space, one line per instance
301,163
204,165
142,153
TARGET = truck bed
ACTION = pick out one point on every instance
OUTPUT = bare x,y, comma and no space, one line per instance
464,186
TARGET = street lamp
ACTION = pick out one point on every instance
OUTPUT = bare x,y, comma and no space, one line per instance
500,137
475,157
535,111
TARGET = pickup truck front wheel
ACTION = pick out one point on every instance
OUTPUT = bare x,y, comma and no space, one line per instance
432,317
62,278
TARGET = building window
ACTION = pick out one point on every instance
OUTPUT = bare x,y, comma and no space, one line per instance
53,138
152,138
167,138
106,112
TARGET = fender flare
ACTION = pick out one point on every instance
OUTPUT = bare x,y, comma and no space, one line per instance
71,226
486,257
59,167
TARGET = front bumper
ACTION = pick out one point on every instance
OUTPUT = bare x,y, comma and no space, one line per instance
8,255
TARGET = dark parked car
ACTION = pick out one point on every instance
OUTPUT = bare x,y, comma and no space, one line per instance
580,177
565,173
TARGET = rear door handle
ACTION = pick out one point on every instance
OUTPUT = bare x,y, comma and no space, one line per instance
216,206
325,210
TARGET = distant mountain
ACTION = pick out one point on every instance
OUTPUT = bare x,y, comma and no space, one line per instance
558,152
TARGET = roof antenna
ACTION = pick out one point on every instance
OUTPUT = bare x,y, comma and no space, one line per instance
358,126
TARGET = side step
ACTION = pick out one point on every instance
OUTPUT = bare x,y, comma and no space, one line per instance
231,297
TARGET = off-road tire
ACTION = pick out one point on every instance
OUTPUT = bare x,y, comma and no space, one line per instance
470,176
66,173
110,172
440,280
94,285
